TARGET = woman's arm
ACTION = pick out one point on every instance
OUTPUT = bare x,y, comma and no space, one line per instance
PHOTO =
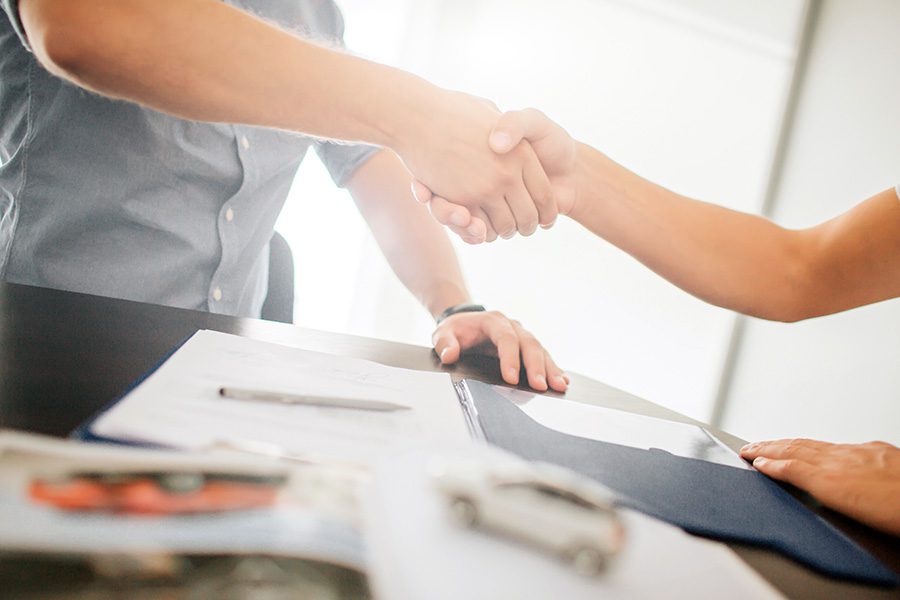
736,260
741,261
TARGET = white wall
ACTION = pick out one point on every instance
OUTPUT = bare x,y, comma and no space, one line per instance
688,93
837,377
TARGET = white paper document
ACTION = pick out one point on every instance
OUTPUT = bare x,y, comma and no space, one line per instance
179,405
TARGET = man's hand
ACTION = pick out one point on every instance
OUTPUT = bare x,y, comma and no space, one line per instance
494,334
514,130
448,151
859,480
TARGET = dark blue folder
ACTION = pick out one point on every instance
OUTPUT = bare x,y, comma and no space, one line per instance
85,433
704,498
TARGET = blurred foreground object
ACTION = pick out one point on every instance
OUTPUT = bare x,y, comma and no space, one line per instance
159,493
541,504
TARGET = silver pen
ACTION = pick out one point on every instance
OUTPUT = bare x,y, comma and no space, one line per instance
308,399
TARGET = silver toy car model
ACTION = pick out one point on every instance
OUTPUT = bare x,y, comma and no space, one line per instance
542,504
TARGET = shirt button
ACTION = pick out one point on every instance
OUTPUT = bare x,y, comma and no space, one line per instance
229,215
245,142
217,294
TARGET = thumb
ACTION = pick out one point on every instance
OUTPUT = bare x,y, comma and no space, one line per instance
446,345
421,192
514,126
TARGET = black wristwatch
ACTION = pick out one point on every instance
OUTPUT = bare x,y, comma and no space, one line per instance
460,308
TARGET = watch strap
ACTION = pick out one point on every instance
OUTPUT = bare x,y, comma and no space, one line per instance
460,308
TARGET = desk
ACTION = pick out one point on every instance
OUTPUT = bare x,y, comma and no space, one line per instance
63,356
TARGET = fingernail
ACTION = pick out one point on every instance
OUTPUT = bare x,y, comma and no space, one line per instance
458,219
500,140
474,231
444,354
508,236
512,374
758,461
559,380
549,225
746,447
541,380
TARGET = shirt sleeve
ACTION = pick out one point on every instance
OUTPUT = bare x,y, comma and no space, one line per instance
11,8
343,159
340,158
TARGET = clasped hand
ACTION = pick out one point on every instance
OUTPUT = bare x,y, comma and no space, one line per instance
547,155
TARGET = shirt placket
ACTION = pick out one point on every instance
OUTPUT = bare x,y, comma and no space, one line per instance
223,295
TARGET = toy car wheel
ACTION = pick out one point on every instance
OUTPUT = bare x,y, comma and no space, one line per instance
464,511
588,561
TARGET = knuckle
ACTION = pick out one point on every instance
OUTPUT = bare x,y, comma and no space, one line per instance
509,177
792,447
507,339
544,201
878,445
493,319
786,466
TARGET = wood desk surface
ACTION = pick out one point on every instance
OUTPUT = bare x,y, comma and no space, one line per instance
63,356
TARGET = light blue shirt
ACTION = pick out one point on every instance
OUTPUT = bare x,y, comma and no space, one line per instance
105,197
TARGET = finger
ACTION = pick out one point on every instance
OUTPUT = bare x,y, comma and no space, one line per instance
446,344
421,192
481,226
539,188
503,336
523,209
508,131
474,231
784,451
449,214
793,471
533,356
514,126
755,449
557,380
500,218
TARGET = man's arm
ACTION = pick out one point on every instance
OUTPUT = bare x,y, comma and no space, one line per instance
420,253
206,61
736,260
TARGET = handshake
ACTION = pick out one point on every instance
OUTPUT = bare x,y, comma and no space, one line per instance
487,175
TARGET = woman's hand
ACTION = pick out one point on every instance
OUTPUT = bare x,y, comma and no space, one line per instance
859,480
